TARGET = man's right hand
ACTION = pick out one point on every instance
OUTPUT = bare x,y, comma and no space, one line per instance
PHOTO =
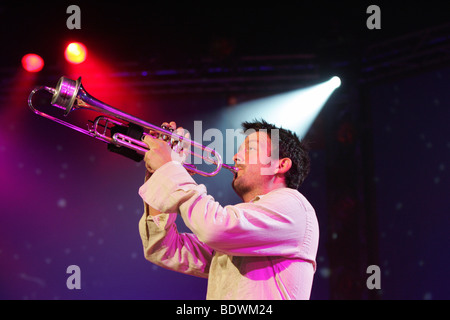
160,151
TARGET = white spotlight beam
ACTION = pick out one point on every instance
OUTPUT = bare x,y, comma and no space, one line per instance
294,110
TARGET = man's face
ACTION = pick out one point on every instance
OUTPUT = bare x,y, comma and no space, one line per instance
255,162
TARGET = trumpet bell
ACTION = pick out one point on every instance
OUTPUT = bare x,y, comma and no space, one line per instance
66,94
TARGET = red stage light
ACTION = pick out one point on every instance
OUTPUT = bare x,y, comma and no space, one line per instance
75,53
32,62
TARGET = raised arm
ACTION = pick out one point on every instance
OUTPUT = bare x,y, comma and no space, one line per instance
167,248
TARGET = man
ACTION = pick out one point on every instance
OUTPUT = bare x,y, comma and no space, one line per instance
263,248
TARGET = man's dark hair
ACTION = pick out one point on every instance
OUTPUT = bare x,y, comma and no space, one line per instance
290,146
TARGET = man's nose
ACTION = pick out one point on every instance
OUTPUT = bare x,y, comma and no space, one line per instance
236,158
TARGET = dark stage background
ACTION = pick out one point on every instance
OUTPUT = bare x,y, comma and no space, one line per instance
380,146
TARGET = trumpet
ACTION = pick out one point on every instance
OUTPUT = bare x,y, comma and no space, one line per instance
121,131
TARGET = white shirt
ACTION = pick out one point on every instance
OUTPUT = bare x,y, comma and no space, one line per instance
264,249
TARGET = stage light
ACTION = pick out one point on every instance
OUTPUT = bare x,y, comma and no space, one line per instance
335,82
295,110
75,53
32,62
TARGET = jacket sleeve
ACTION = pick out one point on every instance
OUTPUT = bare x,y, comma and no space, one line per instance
275,225
167,248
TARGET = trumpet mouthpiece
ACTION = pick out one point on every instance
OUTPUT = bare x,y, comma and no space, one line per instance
231,168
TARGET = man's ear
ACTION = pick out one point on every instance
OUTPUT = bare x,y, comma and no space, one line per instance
284,165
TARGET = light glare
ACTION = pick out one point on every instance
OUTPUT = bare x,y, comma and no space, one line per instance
32,62
335,82
75,53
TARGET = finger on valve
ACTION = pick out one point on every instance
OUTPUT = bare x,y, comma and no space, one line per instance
156,134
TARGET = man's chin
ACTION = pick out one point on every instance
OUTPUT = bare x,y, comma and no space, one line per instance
233,183
238,186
